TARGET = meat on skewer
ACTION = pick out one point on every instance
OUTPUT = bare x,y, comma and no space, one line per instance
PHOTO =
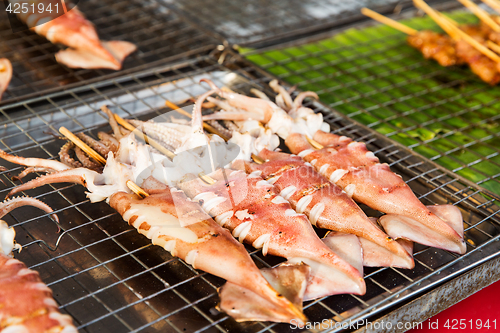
454,49
171,221
436,46
360,174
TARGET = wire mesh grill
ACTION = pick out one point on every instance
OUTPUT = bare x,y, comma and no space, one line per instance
111,279
256,22
371,75
160,35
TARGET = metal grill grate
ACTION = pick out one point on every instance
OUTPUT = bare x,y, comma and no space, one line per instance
160,35
371,75
257,22
111,279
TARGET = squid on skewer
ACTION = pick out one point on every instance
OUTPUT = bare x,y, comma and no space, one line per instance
356,170
173,222
5,75
328,207
26,303
72,29
256,214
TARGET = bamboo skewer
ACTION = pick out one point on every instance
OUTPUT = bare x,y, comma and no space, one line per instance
212,130
136,189
142,135
438,18
387,21
455,32
316,145
478,46
482,14
493,4
494,46
206,126
96,156
82,145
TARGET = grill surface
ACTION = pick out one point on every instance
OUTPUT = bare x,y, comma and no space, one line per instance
258,22
111,279
371,75
160,35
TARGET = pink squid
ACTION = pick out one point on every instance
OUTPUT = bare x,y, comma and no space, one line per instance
26,303
356,170
5,75
328,207
178,225
256,214
72,29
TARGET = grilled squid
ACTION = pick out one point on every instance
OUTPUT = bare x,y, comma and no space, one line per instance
72,29
26,303
5,75
356,170
173,222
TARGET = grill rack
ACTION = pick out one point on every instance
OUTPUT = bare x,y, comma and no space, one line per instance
391,88
258,23
160,35
111,279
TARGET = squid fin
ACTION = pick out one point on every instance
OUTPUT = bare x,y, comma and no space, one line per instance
119,49
375,255
245,305
325,280
399,226
86,59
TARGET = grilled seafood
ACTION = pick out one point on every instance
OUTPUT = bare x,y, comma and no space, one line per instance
72,29
358,172
172,221
5,75
26,303
328,207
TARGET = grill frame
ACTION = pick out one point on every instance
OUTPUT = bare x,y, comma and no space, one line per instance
109,234
162,37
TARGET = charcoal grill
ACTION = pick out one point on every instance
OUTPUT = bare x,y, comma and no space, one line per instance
111,279
160,35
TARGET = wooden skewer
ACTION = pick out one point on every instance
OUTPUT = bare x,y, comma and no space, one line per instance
478,46
82,145
455,32
142,135
494,46
316,145
95,155
452,21
206,126
257,159
206,178
439,19
136,189
493,4
482,14
387,21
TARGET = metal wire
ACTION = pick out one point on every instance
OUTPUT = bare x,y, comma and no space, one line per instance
373,77
256,23
109,278
160,35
